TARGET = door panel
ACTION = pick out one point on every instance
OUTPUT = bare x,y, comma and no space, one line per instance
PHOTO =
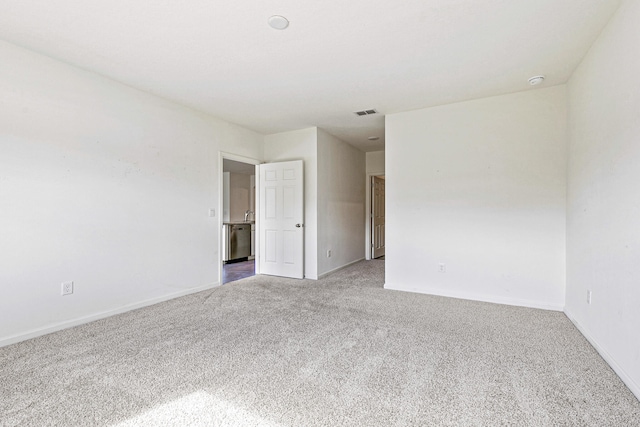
289,247
378,217
281,219
289,202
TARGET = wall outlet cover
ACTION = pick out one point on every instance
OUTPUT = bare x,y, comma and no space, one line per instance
67,288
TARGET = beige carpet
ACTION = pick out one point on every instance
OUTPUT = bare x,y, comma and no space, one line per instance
340,351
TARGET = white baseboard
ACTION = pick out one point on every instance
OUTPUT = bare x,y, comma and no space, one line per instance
477,297
338,268
101,315
633,386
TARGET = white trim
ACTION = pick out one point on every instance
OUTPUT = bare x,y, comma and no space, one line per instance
367,220
633,386
338,268
238,158
101,315
483,298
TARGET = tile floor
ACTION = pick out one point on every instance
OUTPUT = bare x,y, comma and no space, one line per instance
237,270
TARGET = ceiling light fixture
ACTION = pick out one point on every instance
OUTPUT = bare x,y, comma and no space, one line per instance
278,22
373,138
536,80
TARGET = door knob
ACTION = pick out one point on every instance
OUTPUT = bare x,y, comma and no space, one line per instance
298,225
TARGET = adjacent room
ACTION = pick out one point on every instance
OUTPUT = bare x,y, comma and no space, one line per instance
299,214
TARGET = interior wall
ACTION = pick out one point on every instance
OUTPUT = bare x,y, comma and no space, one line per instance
375,162
301,145
341,203
603,218
479,187
239,195
105,186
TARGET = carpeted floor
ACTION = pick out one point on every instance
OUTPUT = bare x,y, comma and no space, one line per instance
341,351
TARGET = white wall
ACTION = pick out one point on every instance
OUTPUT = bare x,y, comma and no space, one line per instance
239,195
375,162
480,187
341,203
105,186
301,145
603,221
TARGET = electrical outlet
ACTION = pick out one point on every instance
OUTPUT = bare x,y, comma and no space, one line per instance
212,213
329,253
67,288
442,268
588,297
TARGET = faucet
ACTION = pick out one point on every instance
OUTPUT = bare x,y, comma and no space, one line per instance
246,215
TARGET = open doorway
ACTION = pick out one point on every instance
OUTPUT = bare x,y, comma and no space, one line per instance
238,214
377,232
377,209
375,218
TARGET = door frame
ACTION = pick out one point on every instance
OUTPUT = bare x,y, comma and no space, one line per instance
368,239
222,155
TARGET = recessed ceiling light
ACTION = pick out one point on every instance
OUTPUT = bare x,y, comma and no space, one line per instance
536,80
278,22
373,138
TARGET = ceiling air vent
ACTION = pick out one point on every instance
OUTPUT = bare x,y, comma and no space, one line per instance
365,112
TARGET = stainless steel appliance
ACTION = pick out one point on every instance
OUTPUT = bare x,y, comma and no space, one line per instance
238,241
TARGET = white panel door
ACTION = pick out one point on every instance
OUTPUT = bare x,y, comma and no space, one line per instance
378,217
280,224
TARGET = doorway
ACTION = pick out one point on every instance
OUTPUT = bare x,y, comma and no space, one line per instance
237,220
377,217
275,213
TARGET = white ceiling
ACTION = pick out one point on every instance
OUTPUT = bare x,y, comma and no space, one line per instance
336,57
